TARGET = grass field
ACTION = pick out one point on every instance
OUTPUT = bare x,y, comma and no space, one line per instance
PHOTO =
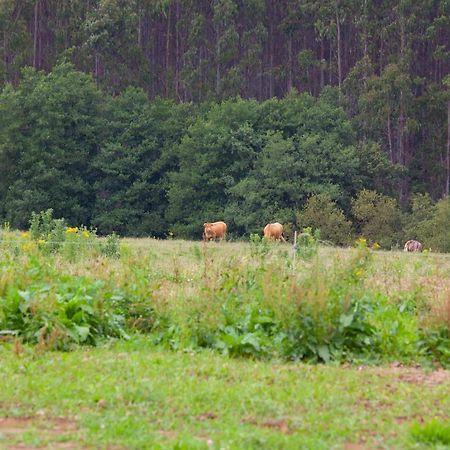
178,344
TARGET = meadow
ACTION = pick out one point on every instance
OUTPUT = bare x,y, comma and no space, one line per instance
143,343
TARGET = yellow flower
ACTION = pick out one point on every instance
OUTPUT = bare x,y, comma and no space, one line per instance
28,246
72,230
361,242
359,273
85,233
25,235
376,246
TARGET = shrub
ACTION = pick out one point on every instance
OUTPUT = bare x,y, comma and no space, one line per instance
378,218
69,310
321,212
418,224
307,243
43,227
440,238
111,246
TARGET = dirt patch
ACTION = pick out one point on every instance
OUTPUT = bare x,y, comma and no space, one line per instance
171,434
207,416
435,378
413,375
53,445
351,446
281,425
55,425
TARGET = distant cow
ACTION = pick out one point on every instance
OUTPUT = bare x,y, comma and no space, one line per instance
274,231
214,230
413,246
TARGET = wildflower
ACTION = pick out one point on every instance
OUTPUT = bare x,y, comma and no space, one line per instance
85,233
376,246
72,230
361,242
359,273
28,247
25,235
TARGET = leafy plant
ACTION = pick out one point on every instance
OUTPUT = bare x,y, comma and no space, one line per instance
434,432
308,243
111,246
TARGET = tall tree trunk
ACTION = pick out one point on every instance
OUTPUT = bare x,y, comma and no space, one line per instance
447,184
338,31
289,73
5,55
322,68
389,133
97,67
271,48
177,50
168,50
139,29
218,50
35,37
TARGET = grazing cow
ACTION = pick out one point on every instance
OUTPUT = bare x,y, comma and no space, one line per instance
274,231
214,230
413,246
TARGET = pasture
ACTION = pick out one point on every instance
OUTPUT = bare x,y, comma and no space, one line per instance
174,344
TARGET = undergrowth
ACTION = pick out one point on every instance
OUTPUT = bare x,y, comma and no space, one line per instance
255,304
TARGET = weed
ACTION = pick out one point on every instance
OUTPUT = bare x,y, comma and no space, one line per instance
433,432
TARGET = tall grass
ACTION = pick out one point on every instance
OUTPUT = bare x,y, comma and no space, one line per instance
240,299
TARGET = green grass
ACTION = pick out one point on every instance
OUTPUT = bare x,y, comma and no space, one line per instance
374,315
134,395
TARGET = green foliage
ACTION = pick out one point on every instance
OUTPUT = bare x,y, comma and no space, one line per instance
67,310
308,149
308,243
435,343
321,212
259,246
378,218
435,432
137,167
47,164
133,163
440,239
419,222
111,246
428,222
252,303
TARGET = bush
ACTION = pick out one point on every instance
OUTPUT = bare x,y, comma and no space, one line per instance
429,222
57,315
321,212
307,243
378,218
440,239
45,229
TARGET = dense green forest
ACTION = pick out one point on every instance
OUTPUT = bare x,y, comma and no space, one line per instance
152,117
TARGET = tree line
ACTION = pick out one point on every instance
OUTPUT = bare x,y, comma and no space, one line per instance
159,167
389,59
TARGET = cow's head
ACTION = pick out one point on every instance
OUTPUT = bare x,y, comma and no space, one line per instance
208,232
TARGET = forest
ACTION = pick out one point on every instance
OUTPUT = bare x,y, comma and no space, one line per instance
149,118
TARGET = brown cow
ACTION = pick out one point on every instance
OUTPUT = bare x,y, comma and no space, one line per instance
274,231
413,246
214,230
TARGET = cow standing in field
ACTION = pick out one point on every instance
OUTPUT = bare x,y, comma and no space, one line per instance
274,231
413,246
214,230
